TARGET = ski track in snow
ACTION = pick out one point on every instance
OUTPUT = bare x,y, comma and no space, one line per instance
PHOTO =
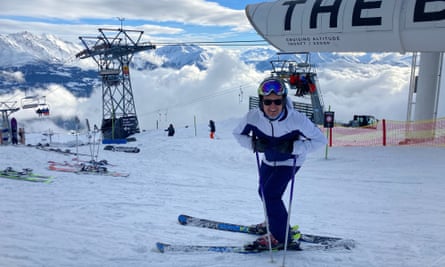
390,200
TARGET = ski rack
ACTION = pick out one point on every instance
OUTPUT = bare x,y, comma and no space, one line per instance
6,109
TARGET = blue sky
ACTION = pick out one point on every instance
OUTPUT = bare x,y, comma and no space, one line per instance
161,20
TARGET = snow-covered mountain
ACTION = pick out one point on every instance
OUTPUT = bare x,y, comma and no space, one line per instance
34,54
24,48
30,62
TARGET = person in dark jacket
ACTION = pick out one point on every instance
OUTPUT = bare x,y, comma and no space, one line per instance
284,136
212,129
170,130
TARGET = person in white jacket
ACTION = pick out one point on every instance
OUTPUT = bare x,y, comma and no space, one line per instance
284,136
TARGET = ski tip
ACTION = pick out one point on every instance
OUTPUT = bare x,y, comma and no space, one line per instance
160,246
182,219
349,244
49,181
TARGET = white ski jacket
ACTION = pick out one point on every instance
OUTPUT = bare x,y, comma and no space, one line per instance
293,126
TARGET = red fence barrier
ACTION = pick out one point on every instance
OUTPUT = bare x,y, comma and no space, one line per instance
391,133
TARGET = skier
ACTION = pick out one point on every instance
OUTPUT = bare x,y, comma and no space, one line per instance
212,129
170,130
284,136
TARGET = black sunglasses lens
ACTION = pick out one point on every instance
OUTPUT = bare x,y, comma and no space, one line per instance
269,102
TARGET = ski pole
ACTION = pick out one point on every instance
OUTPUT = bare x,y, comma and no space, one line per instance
264,206
98,146
294,168
92,138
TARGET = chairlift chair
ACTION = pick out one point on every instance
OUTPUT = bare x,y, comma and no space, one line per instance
29,102
36,102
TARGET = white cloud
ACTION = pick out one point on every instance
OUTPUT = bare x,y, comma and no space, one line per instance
195,12
368,89
70,32
16,76
165,96
177,96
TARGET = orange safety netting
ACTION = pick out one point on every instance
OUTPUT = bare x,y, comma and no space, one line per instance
391,133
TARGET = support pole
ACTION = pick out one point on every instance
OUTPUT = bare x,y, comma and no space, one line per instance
427,87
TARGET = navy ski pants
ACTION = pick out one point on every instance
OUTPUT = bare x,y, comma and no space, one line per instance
273,182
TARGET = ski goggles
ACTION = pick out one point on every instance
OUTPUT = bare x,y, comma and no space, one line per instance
272,86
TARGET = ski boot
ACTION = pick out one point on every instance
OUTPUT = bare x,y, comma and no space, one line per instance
295,233
261,229
262,243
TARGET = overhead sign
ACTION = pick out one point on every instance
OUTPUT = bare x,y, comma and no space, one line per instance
351,25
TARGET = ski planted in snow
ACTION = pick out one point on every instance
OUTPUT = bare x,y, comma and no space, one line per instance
308,238
25,175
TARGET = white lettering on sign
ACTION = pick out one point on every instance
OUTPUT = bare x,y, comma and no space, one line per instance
351,25
420,12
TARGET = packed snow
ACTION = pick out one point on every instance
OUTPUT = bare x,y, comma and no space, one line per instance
390,200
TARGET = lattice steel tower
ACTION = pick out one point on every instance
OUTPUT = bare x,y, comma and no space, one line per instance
113,54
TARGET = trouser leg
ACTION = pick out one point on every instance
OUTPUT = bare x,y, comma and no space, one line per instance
273,181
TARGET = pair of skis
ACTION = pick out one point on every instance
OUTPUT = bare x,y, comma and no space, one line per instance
308,241
25,175
85,169
127,149
58,150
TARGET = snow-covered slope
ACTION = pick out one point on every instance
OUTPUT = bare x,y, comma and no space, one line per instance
390,200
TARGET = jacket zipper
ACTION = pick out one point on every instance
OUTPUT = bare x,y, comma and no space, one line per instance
273,135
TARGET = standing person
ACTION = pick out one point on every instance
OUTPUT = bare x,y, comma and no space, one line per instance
14,138
212,129
284,136
170,130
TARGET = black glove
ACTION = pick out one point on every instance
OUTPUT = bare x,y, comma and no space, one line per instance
285,147
259,145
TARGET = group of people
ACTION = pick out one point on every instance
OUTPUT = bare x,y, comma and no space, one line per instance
171,129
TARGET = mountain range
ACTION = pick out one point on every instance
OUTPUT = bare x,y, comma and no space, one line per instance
29,62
